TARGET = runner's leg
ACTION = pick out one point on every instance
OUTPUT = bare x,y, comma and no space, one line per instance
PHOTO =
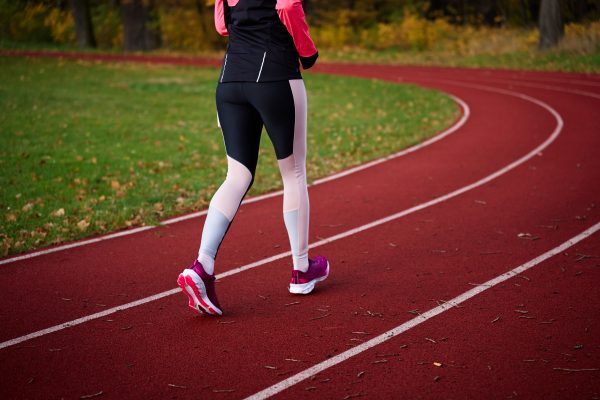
283,108
241,126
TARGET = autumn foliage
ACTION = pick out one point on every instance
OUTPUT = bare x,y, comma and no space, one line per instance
465,27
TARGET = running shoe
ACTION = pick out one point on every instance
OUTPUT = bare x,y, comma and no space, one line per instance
200,289
304,282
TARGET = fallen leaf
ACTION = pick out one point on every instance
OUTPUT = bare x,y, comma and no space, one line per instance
177,386
58,213
90,396
528,236
83,225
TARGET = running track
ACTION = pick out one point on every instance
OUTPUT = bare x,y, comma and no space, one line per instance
418,243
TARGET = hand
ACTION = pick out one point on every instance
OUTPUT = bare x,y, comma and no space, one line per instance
308,62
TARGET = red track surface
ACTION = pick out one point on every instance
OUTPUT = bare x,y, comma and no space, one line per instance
516,339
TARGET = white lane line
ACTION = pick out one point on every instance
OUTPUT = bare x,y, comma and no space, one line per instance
87,318
545,79
533,85
531,154
315,369
457,125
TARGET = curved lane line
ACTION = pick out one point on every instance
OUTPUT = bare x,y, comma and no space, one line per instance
448,305
555,133
456,126
575,81
533,85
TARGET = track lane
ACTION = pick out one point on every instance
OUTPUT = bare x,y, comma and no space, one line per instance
126,277
110,346
506,354
574,199
532,328
332,213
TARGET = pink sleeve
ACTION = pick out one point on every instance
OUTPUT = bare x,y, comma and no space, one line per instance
220,25
292,15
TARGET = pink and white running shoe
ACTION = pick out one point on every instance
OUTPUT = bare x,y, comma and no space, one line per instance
200,289
304,282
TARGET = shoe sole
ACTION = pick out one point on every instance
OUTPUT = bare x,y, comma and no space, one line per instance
306,288
198,301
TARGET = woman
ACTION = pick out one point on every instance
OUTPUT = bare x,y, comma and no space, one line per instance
259,84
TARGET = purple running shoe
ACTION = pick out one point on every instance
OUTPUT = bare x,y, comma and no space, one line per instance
200,289
304,282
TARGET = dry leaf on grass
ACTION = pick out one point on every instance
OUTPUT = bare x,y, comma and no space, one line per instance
83,225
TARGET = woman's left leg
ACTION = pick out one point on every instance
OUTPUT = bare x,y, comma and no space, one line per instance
283,109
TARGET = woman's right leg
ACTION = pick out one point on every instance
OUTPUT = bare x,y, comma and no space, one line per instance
241,126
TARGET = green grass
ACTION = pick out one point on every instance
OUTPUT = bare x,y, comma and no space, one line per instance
551,60
88,148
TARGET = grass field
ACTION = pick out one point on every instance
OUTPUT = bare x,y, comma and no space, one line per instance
89,148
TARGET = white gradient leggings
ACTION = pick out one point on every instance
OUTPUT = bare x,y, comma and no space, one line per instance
243,108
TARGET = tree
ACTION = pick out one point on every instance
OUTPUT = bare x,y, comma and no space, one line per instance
84,31
140,25
551,24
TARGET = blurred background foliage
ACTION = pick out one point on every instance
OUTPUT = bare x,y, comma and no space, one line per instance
460,26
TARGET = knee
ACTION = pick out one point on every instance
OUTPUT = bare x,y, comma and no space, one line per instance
238,175
293,171
241,182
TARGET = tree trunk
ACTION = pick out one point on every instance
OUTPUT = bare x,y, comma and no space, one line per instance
84,31
525,21
307,7
551,24
140,25
579,10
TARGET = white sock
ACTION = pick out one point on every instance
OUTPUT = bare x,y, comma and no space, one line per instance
207,262
301,264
